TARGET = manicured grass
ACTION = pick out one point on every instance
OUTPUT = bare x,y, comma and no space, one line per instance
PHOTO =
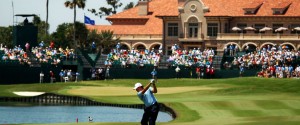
236,101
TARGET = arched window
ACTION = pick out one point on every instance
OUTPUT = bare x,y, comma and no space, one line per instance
249,48
124,47
141,47
156,47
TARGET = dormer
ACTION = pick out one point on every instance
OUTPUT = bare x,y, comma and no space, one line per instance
281,8
252,8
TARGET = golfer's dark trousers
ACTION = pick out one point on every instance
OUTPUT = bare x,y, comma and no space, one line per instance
150,114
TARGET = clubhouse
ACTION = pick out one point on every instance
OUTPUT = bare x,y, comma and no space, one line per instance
207,24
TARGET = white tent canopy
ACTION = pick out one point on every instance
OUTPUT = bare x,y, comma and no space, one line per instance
236,29
281,29
265,29
249,28
297,28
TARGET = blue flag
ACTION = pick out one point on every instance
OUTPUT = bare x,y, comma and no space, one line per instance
87,20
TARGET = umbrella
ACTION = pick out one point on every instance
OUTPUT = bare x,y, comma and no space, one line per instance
236,29
250,28
265,29
281,29
297,28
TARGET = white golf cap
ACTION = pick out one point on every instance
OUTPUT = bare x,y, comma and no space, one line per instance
137,85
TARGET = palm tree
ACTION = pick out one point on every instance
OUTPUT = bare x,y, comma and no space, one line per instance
72,5
47,8
107,40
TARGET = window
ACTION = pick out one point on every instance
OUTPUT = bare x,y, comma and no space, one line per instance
172,29
212,29
242,26
258,27
248,12
276,12
276,26
226,29
140,47
193,29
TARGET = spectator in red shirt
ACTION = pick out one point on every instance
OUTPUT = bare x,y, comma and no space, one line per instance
212,72
198,72
51,44
52,78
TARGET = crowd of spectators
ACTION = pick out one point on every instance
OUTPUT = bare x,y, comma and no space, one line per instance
192,57
140,58
15,54
274,61
52,55
42,54
68,75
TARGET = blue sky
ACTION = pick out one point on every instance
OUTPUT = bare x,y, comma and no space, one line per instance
58,13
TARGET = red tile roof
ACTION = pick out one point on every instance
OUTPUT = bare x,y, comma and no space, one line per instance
254,4
282,4
233,8
128,29
153,25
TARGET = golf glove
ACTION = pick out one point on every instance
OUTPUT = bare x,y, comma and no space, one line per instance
152,81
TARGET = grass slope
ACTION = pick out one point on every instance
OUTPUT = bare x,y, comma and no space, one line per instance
236,101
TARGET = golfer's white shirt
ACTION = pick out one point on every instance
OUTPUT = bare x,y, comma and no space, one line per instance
148,97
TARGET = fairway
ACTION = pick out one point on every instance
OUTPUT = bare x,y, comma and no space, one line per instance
127,91
237,101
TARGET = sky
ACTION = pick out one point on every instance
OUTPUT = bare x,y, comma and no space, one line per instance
58,13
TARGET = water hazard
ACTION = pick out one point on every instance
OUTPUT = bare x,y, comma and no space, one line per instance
69,114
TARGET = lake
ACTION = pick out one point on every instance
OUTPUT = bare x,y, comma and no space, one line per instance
69,114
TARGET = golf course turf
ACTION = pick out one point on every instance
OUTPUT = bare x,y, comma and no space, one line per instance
236,101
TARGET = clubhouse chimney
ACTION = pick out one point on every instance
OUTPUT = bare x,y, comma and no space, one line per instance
143,7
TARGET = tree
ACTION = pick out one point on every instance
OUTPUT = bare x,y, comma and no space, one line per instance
106,11
128,6
42,25
64,34
107,41
6,37
72,5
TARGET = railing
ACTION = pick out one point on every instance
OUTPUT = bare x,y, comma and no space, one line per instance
138,36
255,36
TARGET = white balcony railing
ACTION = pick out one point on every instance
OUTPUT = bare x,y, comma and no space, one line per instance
258,36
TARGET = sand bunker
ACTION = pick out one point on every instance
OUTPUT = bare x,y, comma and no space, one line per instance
29,93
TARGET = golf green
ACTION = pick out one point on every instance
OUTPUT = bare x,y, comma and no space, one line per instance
236,101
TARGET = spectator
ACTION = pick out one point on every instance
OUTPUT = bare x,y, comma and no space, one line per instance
107,76
27,46
52,77
208,72
41,44
154,74
177,70
198,72
41,77
94,47
61,75
212,72
76,76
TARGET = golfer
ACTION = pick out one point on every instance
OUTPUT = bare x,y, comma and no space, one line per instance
151,105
